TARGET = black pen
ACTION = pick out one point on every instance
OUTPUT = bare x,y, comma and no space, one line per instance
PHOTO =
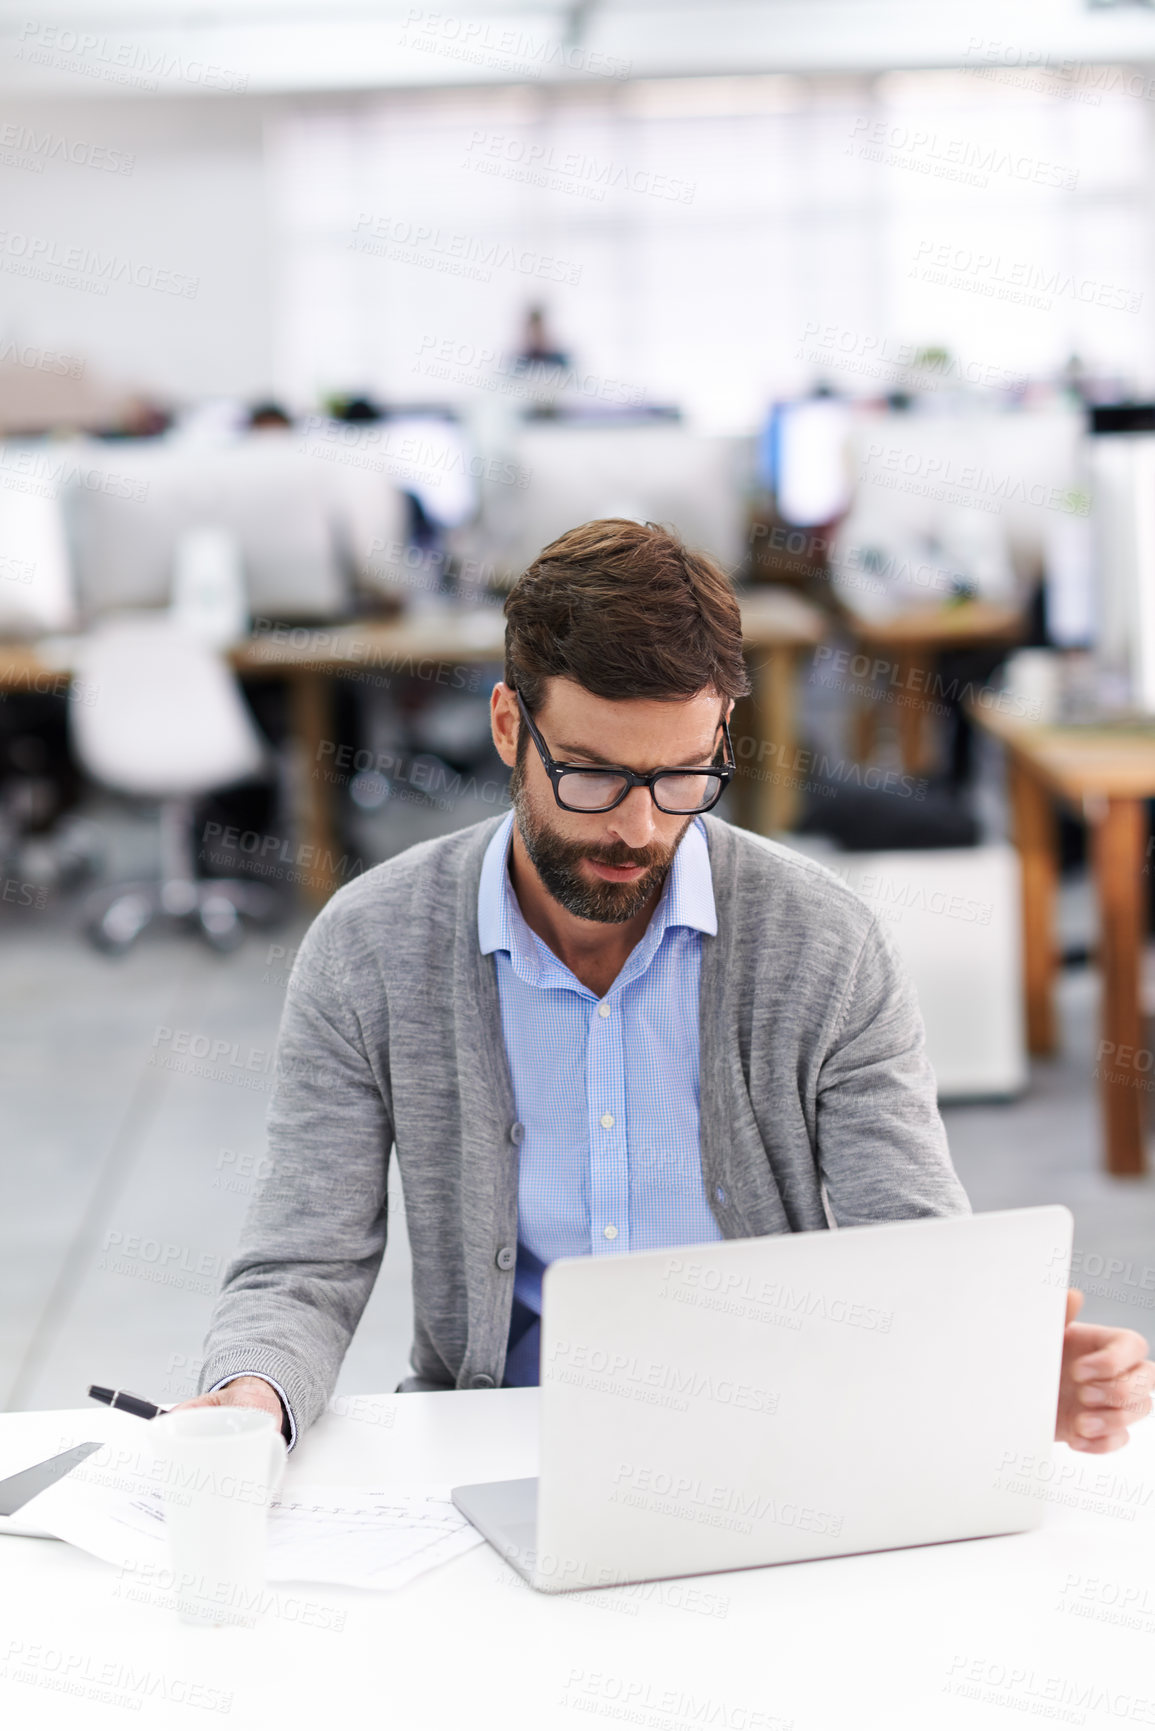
125,1402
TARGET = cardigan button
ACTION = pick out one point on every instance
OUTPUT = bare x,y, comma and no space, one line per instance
517,1134
505,1258
481,1381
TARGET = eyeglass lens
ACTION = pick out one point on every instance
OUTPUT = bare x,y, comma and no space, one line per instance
593,790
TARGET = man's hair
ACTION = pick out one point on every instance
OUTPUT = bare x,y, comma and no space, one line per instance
624,610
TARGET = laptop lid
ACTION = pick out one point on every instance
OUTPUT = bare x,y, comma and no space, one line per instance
770,1399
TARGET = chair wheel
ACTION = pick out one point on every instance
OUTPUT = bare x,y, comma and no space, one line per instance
220,924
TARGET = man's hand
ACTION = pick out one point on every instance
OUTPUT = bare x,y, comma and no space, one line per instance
1105,1383
245,1391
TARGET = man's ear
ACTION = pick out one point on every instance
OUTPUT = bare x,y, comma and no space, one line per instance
504,722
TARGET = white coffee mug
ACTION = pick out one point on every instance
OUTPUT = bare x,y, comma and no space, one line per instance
221,1468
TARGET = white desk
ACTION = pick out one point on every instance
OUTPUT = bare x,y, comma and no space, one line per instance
901,1640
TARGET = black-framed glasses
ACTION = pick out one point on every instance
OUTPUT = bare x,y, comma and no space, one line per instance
678,791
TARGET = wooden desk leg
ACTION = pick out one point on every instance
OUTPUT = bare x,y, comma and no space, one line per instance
914,717
311,720
864,730
776,801
1036,839
1118,850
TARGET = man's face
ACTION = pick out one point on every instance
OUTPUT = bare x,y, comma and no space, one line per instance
606,866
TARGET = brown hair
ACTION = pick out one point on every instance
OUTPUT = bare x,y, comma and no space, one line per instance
624,610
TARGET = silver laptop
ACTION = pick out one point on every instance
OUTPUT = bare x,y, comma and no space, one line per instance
768,1400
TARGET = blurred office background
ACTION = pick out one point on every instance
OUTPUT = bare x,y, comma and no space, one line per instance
316,323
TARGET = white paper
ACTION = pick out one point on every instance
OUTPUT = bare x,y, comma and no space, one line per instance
377,1538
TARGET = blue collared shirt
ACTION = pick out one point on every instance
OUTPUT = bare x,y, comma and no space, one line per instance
606,1089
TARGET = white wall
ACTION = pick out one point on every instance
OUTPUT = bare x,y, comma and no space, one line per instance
802,248
193,205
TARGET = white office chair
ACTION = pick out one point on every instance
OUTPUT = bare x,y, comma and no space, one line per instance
155,714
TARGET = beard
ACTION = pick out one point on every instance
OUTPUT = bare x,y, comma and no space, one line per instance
556,861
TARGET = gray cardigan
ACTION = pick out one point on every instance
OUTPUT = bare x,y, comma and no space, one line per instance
817,1106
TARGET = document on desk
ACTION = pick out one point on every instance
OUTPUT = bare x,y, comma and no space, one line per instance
376,1538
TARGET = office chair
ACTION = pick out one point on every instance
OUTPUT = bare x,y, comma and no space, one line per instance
155,714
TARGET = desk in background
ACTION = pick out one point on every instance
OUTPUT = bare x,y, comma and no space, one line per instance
910,644
895,1641
1106,773
777,625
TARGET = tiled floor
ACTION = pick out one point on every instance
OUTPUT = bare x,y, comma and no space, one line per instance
123,1180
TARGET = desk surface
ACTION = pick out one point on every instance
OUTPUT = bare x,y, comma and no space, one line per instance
771,619
916,1640
941,627
1075,760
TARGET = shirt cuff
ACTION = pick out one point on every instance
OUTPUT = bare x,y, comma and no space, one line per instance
289,1419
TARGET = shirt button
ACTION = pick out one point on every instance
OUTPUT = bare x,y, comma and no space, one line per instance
607,1120
603,1011
517,1133
481,1381
611,1231
505,1257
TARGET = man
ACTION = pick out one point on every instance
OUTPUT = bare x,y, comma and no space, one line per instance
604,1022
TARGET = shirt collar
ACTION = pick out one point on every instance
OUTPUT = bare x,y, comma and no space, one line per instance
686,900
